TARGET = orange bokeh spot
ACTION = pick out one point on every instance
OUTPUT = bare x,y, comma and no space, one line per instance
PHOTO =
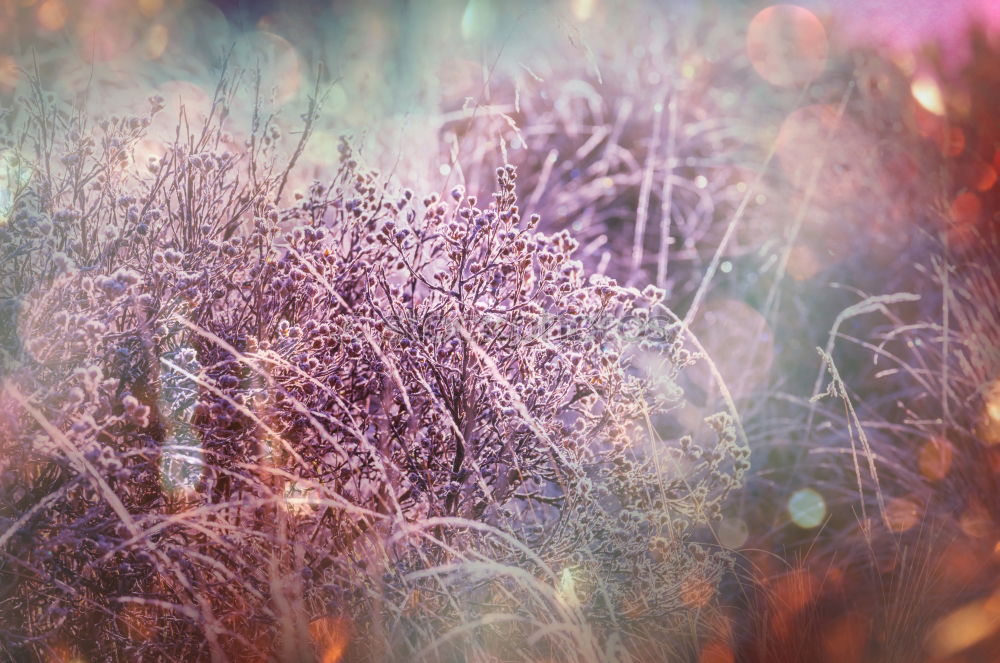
902,514
796,589
966,208
981,176
834,579
787,45
791,593
802,263
965,628
934,459
976,521
716,651
330,636
52,15
988,427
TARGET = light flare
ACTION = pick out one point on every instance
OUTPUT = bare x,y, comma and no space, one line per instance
926,92
807,508
582,10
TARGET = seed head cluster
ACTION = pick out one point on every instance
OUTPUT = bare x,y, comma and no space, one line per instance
228,411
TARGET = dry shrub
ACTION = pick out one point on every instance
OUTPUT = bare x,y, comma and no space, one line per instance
398,419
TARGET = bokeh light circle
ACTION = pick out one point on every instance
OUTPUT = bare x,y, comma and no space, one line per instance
903,513
934,459
807,508
926,92
52,15
818,136
787,45
732,532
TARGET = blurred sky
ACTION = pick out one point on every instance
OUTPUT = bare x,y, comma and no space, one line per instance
895,23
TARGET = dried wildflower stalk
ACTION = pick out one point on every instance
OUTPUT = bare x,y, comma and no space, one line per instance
225,416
